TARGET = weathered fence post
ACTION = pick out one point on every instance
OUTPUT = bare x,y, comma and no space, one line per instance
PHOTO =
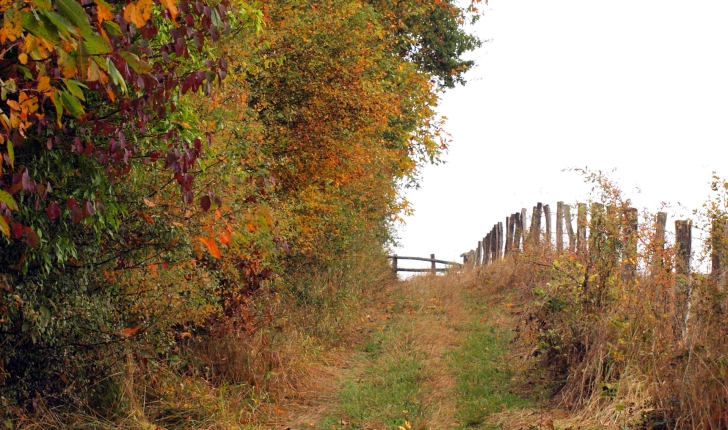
657,245
493,244
547,219
683,284
536,223
718,243
501,240
683,245
508,236
478,253
581,228
596,225
524,230
432,265
629,257
559,226
517,232
394,263
569,228
486,249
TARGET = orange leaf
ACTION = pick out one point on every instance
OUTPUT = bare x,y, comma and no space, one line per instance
129,332
103,13
147,218
171,6
139,12
225,237
251,227
211,246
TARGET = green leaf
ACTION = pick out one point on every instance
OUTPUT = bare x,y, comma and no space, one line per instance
116,77
139,66
40,27
6,198
11,153
112,28
96,45
4,227
72,104
59,108
75,88
42,4
75,13
101,62
65,29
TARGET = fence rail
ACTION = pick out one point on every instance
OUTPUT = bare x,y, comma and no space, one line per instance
432,260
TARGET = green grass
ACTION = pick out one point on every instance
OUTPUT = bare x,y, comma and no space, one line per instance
485,379
386,392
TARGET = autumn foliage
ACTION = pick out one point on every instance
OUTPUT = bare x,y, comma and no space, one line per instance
169,166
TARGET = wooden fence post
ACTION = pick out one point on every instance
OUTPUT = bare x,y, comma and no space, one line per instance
569,228
486,250
581,228
507,238
718,244
432,265
500,241
629,257
512,233
493,244
547,219
394,263
559,226
479,253
524,225
683,244
517,232
657,244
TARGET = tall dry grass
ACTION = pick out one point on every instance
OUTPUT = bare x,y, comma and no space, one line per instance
626,340
241,371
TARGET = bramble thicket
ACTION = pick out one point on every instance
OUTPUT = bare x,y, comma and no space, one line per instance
176,175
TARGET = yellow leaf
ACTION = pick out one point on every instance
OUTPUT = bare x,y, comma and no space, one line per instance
92,74
12,24
171,6
23,58
67,63
44,84
4,228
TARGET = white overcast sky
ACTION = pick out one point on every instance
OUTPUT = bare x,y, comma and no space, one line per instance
640,86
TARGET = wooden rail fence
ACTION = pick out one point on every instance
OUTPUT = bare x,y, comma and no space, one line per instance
433,264
515,235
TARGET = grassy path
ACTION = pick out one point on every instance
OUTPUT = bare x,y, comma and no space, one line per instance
436,357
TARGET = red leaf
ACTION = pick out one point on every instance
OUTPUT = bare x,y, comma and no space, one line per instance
205,203
71,202
88,209
17,230
31,238
53,210
76,214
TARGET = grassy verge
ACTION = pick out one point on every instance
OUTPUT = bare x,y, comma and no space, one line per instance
486,381
384,390
441,360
